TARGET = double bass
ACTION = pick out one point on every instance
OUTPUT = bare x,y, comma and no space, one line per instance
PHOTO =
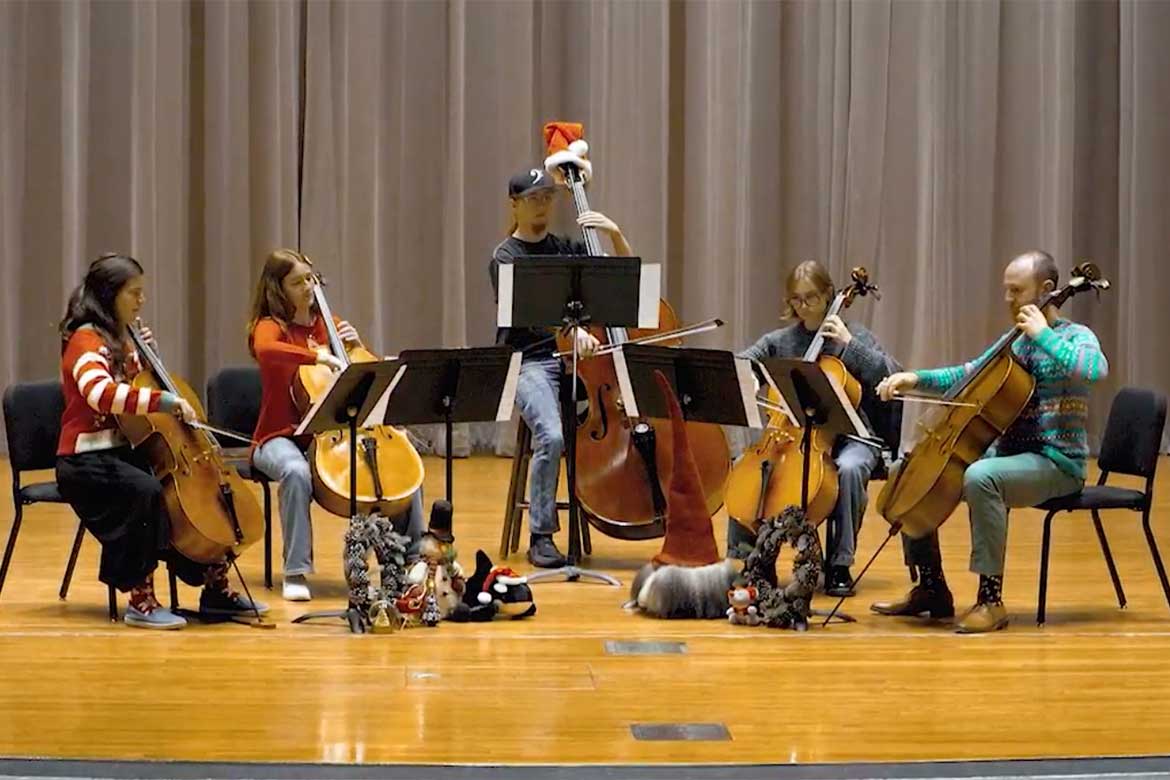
622,462
213,516
769,476
389,469
927,485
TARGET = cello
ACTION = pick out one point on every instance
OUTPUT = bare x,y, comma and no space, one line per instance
927,485
622,462
768,477
389,469
213,515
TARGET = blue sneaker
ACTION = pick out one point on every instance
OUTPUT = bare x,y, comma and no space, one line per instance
159,618
218,602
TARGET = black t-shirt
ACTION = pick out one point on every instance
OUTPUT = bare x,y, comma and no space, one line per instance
511,249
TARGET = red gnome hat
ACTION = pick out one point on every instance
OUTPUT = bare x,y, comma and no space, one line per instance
690,538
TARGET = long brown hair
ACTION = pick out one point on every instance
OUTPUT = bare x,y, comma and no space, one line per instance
270,300
92,302
815,274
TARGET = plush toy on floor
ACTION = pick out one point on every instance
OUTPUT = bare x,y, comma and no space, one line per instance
492,591
743,610
688,578
435,583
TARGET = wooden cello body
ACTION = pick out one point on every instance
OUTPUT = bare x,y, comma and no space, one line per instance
389,469
213,515
768,477
927,485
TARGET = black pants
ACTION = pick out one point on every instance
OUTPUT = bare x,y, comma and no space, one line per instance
120,502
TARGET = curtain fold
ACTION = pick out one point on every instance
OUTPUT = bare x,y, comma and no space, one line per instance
927,141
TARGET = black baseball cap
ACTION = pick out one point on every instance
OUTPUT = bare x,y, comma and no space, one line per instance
529,181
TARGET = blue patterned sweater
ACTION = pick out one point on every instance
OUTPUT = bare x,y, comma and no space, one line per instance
1065,359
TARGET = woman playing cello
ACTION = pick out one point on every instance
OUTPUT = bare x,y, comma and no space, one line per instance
285,332
110,486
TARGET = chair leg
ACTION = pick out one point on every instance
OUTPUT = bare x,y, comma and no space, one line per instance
586,539
1042,598
510,506
523,460
174,583
267,534
17,517
521,498
1156,555
72,564
113,597
1108,558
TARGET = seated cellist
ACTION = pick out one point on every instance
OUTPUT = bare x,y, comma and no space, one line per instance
810,290
109,485
1040,457
285,332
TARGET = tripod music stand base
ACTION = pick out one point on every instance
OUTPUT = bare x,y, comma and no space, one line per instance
572,574
352,616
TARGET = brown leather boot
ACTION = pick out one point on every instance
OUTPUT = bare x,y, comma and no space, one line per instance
935,601
983,618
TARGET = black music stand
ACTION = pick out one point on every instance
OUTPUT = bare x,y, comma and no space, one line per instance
349,398
712,385
449,386
566,292
815,401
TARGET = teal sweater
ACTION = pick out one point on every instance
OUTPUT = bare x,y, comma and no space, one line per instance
1065,360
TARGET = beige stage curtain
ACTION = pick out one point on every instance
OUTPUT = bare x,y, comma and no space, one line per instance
165,130
928,141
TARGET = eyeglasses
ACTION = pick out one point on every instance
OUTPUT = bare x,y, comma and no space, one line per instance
805,301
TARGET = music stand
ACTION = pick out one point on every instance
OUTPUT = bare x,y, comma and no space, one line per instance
449,386
567,292
814,401
712,385
349,397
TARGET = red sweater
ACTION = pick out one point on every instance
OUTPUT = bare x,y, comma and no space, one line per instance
280,352
94,394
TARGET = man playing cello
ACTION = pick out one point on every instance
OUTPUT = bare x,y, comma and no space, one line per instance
1039,457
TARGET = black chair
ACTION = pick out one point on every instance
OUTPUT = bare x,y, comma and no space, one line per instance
233,404
32,422
1133,436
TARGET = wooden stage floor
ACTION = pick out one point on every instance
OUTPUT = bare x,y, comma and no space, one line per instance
1093,682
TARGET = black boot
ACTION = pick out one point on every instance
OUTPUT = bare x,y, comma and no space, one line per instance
838,582
930,596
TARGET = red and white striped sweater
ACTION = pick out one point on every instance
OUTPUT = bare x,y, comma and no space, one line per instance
95,392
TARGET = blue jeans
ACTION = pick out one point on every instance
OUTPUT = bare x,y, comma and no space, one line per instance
538,397
282,461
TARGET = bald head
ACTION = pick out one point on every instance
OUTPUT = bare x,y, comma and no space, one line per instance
1040,265
1029,277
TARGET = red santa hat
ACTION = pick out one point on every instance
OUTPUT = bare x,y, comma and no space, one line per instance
566,146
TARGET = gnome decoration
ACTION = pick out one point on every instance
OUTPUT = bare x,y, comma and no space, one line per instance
436,581
567,147
688,578
491,591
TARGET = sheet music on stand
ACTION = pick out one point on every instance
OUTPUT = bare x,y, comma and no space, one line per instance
566,292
